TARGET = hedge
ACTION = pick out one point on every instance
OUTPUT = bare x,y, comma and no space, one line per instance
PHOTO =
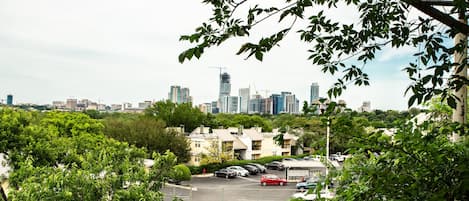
212,167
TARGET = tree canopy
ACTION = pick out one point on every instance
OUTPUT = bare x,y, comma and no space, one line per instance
65,156
343,49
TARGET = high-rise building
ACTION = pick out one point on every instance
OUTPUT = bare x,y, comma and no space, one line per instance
277,103
9,99
230,104
244,94
215,108
314,95
255,104
179,95
225,85
266,106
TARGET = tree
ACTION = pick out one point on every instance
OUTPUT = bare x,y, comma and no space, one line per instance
65,156
148,133
419,163
176,115
382,23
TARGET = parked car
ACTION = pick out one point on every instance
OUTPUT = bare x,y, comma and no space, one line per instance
251,169
260,167
311,183
239,170
271,179
227,173
337,157
275,165
313,196
288,159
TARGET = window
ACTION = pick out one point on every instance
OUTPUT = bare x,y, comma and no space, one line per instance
197,144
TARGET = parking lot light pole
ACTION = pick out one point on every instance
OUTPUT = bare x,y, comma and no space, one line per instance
327,149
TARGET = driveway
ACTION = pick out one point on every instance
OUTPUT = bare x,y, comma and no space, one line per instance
238,189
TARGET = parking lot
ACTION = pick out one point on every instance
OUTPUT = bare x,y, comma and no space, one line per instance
211,188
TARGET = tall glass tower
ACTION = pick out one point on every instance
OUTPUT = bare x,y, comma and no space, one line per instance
225,85
314,92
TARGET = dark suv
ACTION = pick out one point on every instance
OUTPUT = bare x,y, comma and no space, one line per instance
275,165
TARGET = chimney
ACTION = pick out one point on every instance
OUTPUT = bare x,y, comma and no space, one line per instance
240,130
201,129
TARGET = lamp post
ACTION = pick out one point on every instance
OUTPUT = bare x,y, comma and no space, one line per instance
327,150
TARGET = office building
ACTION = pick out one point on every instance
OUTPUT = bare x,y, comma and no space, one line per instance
225,85
366,107
314,93
244,94
9,99
179,95
230,104
277,103
255,104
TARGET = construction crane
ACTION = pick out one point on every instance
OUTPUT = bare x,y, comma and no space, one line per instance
218,68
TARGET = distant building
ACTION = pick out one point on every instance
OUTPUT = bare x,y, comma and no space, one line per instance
255,104
71,104
291,103
314,92
205,108
116,107
366,107
58,105
215,109
230,104
144,104
244,94
126,106
225,85
9,99
266,106
277,103
179,95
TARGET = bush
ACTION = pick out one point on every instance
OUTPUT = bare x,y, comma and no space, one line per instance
212,167
180,173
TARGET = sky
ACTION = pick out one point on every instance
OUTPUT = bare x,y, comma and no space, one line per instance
115,51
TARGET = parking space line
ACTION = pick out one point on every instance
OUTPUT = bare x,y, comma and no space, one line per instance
249,179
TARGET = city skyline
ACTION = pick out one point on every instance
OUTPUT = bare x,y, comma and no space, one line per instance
55,50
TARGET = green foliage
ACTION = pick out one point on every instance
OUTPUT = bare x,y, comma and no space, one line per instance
65,156
180,173
418,163
331,44
247,121
176,115
211,167
149,133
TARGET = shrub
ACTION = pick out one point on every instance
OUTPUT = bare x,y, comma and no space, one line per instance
212,167
180,173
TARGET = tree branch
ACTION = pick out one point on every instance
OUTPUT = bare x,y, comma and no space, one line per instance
438,15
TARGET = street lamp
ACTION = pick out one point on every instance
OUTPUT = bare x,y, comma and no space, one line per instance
323,106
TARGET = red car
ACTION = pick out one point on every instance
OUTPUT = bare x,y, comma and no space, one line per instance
270,179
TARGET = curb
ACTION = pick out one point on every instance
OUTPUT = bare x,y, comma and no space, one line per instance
203,175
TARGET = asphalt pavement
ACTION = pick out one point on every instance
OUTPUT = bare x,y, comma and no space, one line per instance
210,188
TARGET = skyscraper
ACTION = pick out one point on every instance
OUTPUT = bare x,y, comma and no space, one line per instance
179,95
9,99
225,85
314,92
244,94
277,103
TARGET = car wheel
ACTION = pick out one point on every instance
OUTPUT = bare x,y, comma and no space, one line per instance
302,189
281,184
264,184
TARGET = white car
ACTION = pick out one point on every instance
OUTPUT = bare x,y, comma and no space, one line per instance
239,171
313,196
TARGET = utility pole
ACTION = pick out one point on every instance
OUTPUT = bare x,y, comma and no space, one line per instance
459,113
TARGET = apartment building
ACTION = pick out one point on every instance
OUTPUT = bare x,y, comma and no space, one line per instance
239,143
